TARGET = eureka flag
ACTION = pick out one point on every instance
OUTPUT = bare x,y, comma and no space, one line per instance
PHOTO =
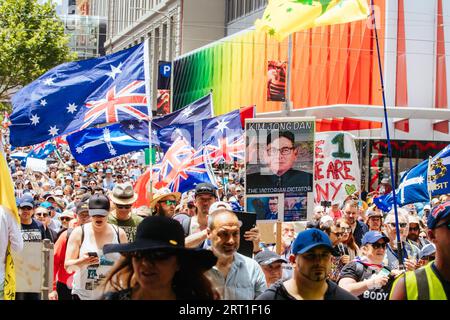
439,173
412,188
283,17
81,94
98,144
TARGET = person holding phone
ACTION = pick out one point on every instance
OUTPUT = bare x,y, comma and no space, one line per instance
366,277
85,255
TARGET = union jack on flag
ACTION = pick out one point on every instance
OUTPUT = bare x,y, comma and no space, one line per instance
183,167
42,150
80,94
125,101
226,149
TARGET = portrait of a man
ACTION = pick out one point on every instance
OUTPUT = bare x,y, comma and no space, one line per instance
278,173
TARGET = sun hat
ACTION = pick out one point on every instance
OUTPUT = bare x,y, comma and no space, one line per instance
159,233
123,193
309,239
162,193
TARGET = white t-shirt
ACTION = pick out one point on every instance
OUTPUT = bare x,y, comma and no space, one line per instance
9,233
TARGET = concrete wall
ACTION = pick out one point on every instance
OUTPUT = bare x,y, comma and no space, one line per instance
203,22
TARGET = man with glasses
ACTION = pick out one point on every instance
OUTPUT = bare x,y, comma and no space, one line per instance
414,233
280,157
374,219
272,213
431,282
410,251
123,197
164,202
367,277
311,256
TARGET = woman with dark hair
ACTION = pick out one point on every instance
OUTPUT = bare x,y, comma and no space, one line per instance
158,266
347,238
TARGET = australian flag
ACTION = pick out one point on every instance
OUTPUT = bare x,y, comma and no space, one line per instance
182,167
439,173
77,95
196,111
209,132
97,144
412,188
42,150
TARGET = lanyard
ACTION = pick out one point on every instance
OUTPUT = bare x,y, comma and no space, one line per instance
405,253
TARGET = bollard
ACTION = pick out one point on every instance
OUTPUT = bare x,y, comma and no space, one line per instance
47,275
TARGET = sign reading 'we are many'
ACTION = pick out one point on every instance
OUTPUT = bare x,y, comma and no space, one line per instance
336,170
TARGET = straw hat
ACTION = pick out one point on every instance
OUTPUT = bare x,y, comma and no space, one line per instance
162,193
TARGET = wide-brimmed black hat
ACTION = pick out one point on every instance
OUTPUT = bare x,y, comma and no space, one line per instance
166,234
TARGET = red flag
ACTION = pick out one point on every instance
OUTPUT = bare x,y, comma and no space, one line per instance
247,113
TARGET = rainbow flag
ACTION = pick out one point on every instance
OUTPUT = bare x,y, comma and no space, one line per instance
283,17
8,201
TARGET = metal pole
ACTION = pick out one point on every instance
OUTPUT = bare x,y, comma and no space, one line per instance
149,110
399,243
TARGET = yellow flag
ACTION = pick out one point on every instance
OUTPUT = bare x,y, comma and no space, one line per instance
283,17
8,200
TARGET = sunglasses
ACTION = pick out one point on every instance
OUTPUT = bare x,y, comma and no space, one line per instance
377,245
123,206
151,255
65,219
338,234
26,208
346,230
401,225
414,229
40,214
169,202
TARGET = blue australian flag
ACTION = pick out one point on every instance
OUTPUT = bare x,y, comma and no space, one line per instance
77,95
196,111
42,150
439,173
97,144
412,188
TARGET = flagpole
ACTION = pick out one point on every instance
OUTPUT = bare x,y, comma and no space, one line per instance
149,110
428,172
399,243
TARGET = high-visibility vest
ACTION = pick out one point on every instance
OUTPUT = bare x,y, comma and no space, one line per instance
423,284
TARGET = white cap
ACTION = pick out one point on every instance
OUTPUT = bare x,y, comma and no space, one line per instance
219,205
426,207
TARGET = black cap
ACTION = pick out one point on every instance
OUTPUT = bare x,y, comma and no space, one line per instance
98,205
267,257
205,188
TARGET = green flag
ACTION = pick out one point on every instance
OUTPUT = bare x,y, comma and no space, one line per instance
147,156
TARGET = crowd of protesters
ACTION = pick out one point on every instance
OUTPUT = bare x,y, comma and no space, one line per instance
185,246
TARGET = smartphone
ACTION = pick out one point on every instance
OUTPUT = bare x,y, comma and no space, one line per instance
385,272
92,254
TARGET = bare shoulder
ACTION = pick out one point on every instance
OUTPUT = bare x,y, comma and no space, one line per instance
398,291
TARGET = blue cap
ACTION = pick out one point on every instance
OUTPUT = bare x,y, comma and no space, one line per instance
373,236
26,201
437,214
46,204
108,171
309,239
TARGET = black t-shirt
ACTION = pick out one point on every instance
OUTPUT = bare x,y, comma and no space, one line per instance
278,292
33,232
364,272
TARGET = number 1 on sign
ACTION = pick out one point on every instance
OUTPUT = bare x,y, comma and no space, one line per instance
339,140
